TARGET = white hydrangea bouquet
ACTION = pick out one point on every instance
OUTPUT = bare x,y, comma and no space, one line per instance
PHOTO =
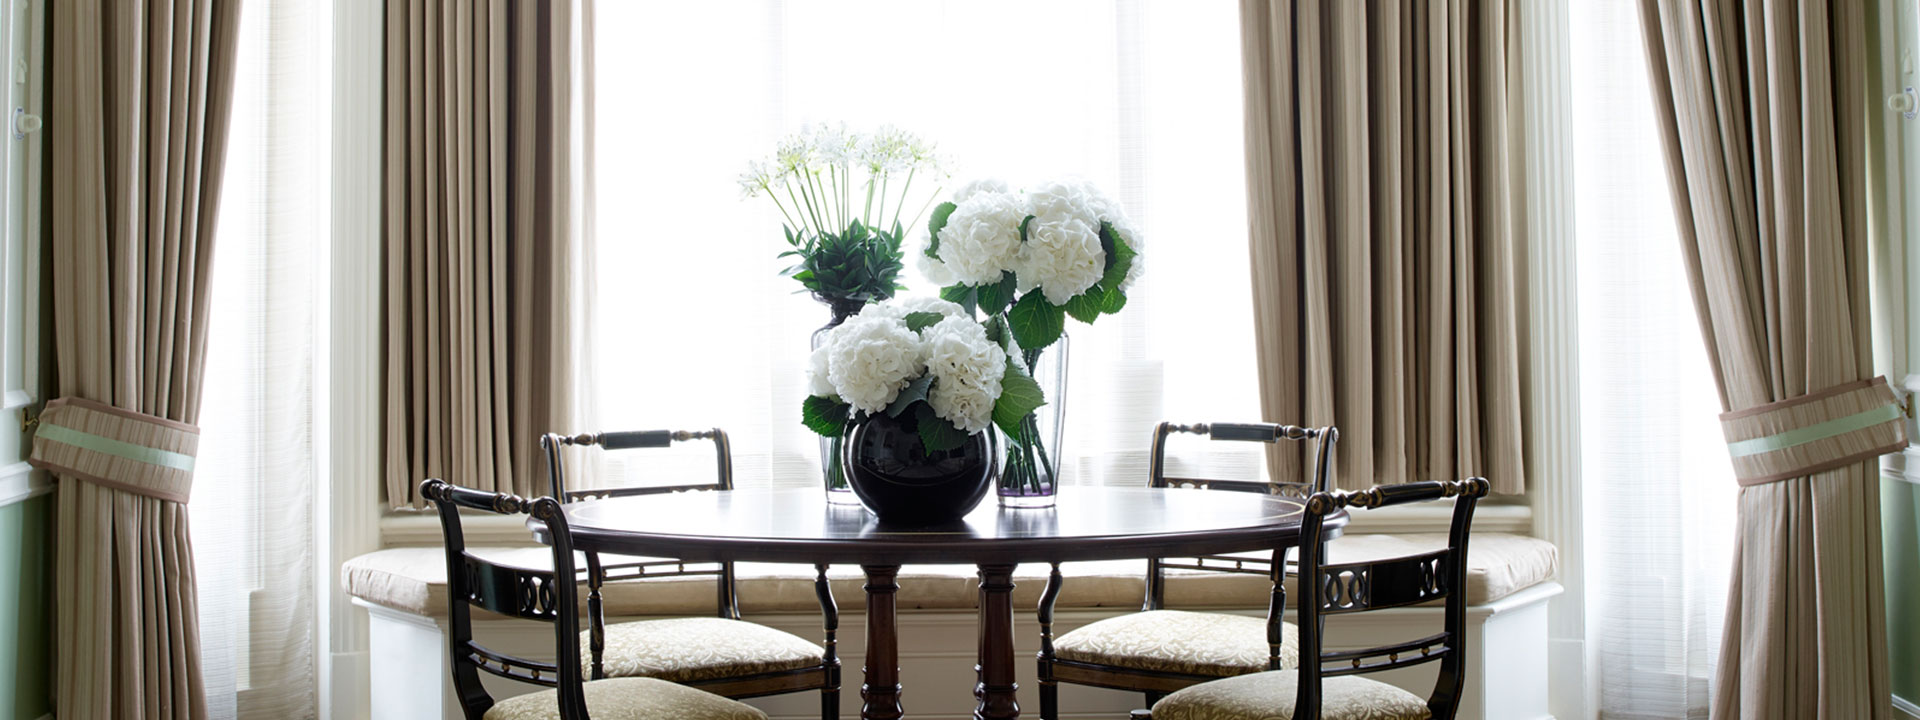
1027,261
922,358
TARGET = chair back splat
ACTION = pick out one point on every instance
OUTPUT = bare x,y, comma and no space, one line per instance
531,594
1328,589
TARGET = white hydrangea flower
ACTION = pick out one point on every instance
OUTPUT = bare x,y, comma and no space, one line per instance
948,308
1109,210
817,382
982,237
1062,257
983,185
967,368
871,357
1065,198
932,268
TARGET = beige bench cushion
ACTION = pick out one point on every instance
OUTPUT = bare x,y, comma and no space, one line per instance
629,699
701,648
415,580
1271,696
1179,641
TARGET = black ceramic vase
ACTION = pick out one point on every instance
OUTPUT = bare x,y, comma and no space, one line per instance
905,486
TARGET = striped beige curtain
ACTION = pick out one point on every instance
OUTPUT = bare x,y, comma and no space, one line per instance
478,227
1380,186
141,94
1761,106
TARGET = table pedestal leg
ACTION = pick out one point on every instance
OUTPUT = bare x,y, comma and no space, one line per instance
881,692
996,687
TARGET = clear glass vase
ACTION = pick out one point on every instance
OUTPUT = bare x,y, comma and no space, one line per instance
833,475
1030,473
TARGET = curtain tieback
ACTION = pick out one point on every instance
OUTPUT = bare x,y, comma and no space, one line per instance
1822,430
115,447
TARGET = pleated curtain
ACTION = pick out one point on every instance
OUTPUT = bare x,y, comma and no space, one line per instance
1761,110
478,225
1380,180
140,101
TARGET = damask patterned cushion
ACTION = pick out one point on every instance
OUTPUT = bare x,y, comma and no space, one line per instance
1271,696
688,649
1178,641
629,699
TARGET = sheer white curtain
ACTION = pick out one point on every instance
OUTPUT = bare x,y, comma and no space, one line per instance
1660,495
692,326
252,497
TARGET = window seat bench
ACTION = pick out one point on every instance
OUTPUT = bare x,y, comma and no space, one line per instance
1509,582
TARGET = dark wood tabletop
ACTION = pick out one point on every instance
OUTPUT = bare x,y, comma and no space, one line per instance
799,526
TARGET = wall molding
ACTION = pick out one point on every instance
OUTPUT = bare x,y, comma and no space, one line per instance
20,482
1904,709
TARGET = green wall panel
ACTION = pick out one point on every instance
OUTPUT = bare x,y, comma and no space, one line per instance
26,580
1900,519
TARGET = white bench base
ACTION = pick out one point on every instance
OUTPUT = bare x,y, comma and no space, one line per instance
1506,650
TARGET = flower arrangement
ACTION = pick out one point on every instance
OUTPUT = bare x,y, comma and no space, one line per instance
924,359
846,252
1027,261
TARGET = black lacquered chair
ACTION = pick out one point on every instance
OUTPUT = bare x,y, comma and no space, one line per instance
1157,650
1327,684
723,654
545,595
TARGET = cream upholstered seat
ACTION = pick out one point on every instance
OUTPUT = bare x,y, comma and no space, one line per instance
629,699
1178,641
700,648
1271,696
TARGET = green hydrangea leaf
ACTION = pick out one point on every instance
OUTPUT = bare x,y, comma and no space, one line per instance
994,297
826,417
917,321
1036,323
1020,395
1087,306
914,392
965,295
937,435
934,224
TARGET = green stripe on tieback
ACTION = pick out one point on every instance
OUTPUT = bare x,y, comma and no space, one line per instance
117,448
1815,432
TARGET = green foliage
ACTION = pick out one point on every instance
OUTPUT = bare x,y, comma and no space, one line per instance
1019,396
935,224
994,297
858,263
826,417
937,435
965,295
1036,323
914,392
917,321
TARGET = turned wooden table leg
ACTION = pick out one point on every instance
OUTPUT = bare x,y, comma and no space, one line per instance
881,692
996,687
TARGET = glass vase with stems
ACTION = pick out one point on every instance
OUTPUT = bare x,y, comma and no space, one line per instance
1030,476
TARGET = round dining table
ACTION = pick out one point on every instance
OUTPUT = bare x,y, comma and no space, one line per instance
799,526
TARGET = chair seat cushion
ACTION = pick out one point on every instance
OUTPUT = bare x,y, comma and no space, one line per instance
629,699
1271,696
692,649
1178,641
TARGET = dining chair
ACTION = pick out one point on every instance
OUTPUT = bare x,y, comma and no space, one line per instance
547,595
1157,650
1327,686
724,654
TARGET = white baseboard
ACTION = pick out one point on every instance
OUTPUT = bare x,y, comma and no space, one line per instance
1904,709
19,482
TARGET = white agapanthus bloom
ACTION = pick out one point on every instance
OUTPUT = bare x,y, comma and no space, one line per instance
1062,257
982,236
871,357
817,380
966,369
